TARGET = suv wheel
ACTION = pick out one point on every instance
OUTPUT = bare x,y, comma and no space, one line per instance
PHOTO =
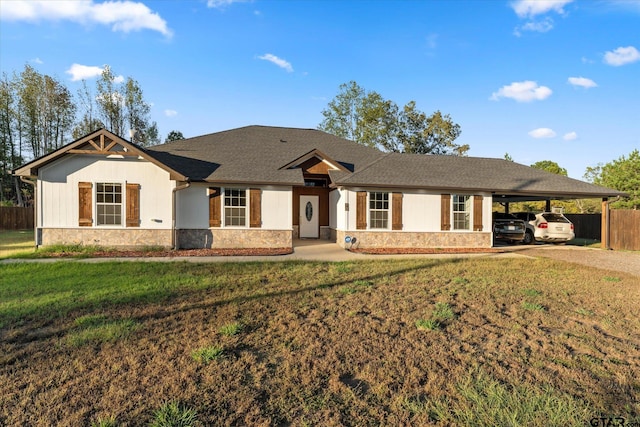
528,238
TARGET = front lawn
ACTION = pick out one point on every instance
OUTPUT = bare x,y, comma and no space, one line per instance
16,242
392,342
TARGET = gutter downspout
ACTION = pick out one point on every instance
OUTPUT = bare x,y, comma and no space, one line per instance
35,207
607,237
174,232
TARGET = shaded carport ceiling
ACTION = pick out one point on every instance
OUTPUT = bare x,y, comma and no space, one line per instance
514,198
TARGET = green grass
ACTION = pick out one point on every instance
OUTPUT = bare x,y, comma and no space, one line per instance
99,329
532,306
105,422
532,293
16,242
174,415
207,354
428,324
231,329
483,401
443,312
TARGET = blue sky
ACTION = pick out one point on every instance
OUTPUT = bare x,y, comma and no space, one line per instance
541,80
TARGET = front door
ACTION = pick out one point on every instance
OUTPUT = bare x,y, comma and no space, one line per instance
309,225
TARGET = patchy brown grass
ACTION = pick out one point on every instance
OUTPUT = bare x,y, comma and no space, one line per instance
331,344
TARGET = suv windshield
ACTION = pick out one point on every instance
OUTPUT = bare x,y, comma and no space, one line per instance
551,217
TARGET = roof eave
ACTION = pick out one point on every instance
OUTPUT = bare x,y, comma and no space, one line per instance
31,169
567,194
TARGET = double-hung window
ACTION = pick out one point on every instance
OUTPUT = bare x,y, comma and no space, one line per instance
378,210
461,212
235,207
108,204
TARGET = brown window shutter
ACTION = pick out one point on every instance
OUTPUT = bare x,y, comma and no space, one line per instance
396,211
361,210
133,205
445,212
255,208
215,210
477,213
85,208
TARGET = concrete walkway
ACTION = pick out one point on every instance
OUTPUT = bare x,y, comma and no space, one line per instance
303,250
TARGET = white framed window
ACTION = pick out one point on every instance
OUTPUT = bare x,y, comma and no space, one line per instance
108,203
235,207
378,210
461,212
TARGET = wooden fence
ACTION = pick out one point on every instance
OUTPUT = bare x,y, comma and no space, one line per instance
12,218
625,229
587,226
624,225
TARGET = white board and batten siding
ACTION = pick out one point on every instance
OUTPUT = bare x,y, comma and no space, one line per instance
58,189
193,207
421,210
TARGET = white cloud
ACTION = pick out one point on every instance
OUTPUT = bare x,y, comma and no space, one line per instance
538,27
221,4
531,8
583,82
278,61
622,56
37,61
170,113
122,16
526,91
571,136
542,133
81,72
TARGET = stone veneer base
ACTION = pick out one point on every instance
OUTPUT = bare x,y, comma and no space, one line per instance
234,238
400,239
112,237
325,232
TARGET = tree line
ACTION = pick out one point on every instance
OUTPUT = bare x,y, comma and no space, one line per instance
622,174
39,114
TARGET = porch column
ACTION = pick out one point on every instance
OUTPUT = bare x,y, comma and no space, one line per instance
604,227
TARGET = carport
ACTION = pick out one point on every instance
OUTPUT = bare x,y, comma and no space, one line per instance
545,186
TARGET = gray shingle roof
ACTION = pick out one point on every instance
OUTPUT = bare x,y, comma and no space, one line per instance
469,173
256,154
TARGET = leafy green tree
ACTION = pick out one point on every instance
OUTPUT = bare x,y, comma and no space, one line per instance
122,107
174,135
110,102
421,134
508,157
622,174
369,119
8,155
549,166
89,121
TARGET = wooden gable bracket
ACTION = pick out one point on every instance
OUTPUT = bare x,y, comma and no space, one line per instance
101,146
331,163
